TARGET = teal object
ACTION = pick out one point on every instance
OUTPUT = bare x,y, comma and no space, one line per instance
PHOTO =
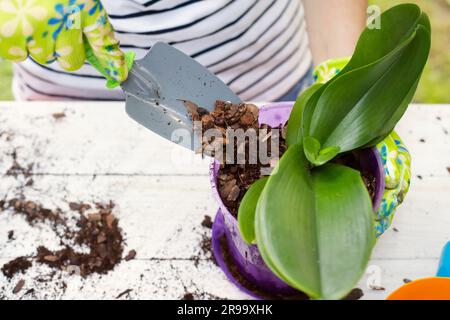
444,264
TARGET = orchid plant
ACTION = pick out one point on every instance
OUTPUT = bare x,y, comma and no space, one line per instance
312,219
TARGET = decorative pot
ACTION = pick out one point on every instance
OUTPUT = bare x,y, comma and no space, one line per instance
242,263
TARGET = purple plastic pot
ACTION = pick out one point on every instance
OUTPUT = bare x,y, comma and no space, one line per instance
233,255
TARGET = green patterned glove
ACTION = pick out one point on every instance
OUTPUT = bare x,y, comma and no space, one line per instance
328,69
68,31
395,157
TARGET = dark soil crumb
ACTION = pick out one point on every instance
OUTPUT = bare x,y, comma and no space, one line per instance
131,255
188,296
10,234
19,286
422,140
207,222
448,169
419,177
355,294
206,245
377,288
370,182
29,183
18,265
126,292
233,182
407,280
16,169
98,232
395,229
206,250
34,212
59,115
225,116
80,207
29,291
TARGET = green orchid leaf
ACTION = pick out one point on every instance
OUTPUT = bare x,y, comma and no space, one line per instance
279,223
247,209
344,220
390,126
326,155
312,148
320,239
397,24
376,106
315,154
372,93
314,222
310,108
334,105
294,126
425,21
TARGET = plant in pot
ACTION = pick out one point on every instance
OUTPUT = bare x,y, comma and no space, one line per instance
311,225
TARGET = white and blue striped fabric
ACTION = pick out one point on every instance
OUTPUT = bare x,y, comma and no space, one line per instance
258,47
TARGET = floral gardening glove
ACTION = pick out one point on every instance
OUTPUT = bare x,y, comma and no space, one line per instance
395,157
68,31
397,169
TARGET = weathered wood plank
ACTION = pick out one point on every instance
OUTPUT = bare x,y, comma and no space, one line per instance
162,216
148,279
165,279
100,138
91,138
96,153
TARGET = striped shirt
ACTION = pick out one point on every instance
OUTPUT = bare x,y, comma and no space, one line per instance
258,47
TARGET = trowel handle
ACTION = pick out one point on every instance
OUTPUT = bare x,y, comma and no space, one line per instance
141,84
444,264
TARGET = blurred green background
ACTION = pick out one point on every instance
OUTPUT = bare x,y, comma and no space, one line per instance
435,84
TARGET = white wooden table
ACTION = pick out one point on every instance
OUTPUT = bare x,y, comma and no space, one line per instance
97,153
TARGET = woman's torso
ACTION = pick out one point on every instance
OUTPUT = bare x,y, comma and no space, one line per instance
258,47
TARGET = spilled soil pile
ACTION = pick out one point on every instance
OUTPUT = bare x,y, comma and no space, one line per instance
89,235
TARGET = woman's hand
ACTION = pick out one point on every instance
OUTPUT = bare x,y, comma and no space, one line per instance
68,31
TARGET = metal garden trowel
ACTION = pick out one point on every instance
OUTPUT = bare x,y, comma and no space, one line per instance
158,86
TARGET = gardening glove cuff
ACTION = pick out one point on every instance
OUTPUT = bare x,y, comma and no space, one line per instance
328,69
396,161
395,157
68,31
